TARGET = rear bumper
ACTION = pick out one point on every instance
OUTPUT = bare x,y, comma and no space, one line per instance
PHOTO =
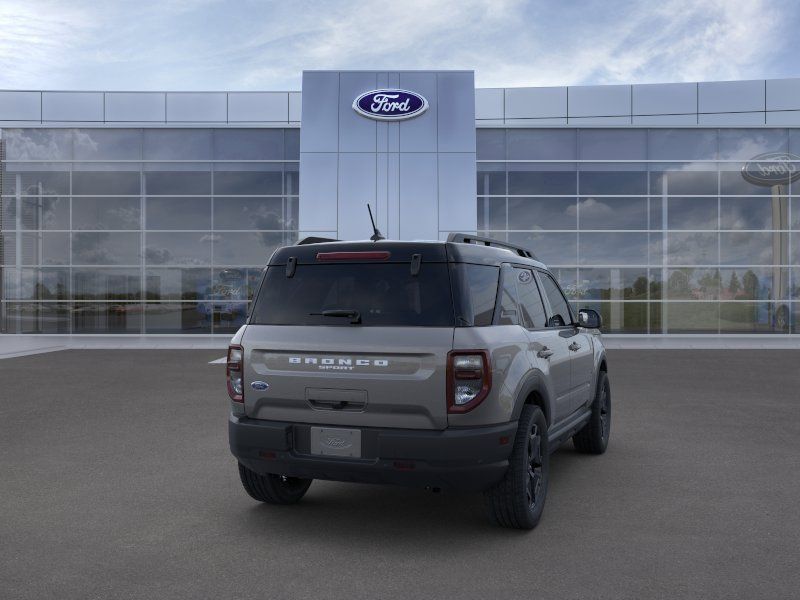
468,459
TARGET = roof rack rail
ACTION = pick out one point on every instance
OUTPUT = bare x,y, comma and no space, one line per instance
314,240
465,238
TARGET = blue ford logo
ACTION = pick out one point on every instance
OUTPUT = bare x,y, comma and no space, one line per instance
259,385
772,168
390,105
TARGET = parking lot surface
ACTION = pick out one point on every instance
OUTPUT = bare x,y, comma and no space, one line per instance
116,482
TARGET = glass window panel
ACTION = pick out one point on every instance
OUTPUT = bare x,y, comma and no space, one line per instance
612,248
682,144
794,290
291,141
178,183
795,213
567,278
177,317
248,144
696,180
747,143
119,183
621,317
36,182
530,180
105,248
106,284
106,213
655,284
227,317
45,248
612,182
35,317
751,317
754,213
178,144
178,213
246,248
491,144
612,213
509,310
691,317
755,283
36,284
794,309
8,214
692,248
172,248
45,212
795,255
732,182
692,213
492,213
251,180
234,284
559,313
613,284
656,215
542,213
750,248
530,300
38,144
491,179
250,213
108,144
8,248
612,144
178,284
550,248
542,144
693,284
107,317
291,178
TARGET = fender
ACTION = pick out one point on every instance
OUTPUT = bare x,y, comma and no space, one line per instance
534,381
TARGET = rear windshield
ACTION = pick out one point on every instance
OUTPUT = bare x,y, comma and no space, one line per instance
384,294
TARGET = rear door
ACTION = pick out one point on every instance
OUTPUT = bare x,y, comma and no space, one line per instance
383,365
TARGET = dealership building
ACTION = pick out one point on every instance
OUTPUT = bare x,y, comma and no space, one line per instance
668,208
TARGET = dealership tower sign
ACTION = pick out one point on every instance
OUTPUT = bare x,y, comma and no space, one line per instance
390,105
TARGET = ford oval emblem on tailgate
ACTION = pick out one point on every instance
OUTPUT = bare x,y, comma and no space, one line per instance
259,385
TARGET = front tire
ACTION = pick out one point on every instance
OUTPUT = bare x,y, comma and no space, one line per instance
518,500
273,489
593,438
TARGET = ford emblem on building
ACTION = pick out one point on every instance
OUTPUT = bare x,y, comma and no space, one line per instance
390,105
772,168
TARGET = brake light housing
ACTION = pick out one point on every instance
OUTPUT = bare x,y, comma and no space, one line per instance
234,373
366,255
469,379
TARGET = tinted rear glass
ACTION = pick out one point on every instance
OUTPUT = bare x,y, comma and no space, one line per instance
384,294
476,293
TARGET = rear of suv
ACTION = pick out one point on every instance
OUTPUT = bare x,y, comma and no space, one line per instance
447,365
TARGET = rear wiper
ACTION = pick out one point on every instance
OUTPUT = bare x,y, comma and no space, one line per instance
353,315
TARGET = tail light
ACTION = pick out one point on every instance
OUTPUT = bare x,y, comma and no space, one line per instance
234,372
469,379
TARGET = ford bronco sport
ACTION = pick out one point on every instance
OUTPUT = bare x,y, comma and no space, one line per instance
447,365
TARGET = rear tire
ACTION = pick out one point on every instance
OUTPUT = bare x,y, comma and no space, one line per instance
518,500
273,489
593,438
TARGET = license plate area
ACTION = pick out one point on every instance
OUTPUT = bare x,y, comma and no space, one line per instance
331,441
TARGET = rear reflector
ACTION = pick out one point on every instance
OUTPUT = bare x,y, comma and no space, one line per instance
370,255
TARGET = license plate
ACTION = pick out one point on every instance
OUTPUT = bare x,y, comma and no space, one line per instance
331,441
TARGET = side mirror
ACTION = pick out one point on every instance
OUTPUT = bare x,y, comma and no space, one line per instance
589,319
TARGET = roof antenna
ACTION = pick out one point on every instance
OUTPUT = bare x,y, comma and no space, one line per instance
377,235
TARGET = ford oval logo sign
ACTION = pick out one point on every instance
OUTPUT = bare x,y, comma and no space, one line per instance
772,168
259,385
390,105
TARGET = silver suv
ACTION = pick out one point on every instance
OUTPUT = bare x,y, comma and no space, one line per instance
447,365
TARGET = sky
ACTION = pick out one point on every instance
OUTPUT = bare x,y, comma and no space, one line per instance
265,45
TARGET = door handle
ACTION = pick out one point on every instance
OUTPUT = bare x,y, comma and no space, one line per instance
545,352
574,346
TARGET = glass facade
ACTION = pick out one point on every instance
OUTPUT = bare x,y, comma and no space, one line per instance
153,231
656,229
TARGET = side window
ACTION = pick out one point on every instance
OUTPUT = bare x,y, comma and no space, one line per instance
530,301
560,308
508,299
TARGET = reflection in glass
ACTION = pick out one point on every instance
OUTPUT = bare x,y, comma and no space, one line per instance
237,283
178,183
755,283
34,182
691,317
752,247
692,213
250,213
107,144
178,213
177,317
248,144
542,144
249,180
177,144
171,248
620,317
612,144
492,179
550,248
612,213
692,248
613,284
541,213
46,248
105,213
106,284
744,144
752,213
105,248
612,248
682,144
524,181
611,182
753,317
45,212
118,183
107,317
178,284
732,182
492,213
693,284
491,144
248,248
36,284
683,180
38,144
36,317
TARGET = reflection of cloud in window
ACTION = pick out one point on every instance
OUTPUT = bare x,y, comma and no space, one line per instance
590,207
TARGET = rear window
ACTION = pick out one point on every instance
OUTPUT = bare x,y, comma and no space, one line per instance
476,292
384,294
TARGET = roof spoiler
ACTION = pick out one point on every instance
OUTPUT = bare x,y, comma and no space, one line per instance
314,240
465,238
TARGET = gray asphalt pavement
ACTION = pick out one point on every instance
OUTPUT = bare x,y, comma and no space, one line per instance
116,482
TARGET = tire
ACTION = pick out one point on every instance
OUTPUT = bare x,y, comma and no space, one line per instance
593,438
518,500
273,489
